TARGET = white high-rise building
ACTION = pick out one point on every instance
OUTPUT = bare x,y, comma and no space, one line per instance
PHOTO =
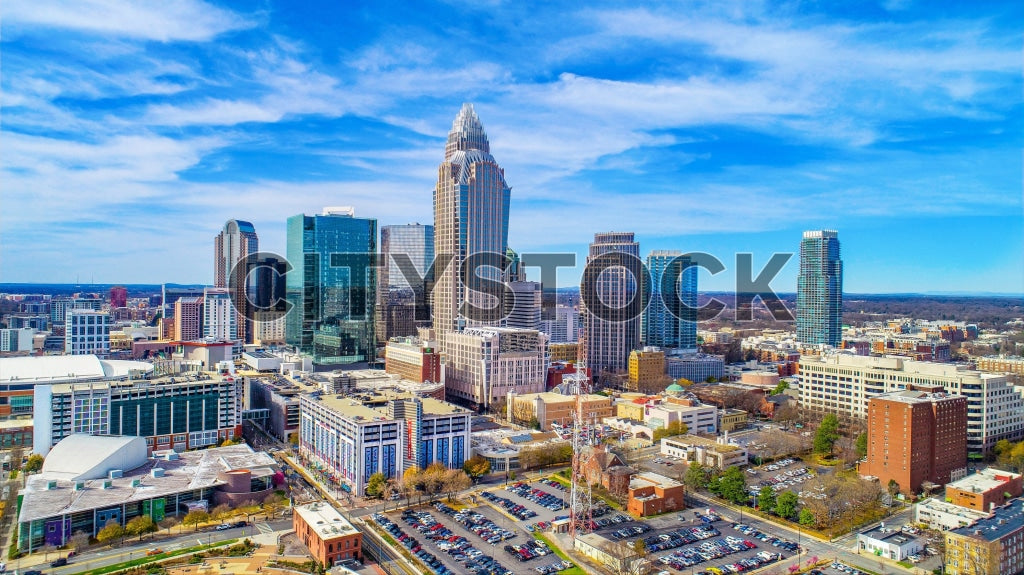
522,303
16,339
86,332
843,384
219,317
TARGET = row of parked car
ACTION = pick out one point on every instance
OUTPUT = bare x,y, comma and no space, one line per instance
519,511
529,550
680,537
486,529
774,541
712,550
756,562
627,532
538,496
553,567
414,546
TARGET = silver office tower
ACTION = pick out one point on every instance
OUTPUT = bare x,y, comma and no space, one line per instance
670,320
819,290
611,301
471,208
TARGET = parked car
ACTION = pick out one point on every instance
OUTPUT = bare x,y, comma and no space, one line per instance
60,562
153,551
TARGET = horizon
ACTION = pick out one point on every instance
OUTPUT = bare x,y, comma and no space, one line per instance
131,136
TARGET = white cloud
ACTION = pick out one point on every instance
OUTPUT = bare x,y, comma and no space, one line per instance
166,21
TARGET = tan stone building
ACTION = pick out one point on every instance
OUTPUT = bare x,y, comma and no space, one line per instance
646,369
989,546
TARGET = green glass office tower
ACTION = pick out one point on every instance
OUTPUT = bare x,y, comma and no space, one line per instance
667,323
819,290
331,299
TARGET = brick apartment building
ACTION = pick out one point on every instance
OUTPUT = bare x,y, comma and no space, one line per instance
915,436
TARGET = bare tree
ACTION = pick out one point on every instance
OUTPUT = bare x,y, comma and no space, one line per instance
625,559
79,541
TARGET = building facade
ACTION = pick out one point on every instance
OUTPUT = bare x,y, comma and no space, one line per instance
647,371
985,490
819,290
235,242
670,319
471,212
549,408
86,332
611,302
843,384
179,413
991,545
331,286
188,319
484,364
523,305
348,441
402,302
413,359
916,437
565,327
329,537
220,319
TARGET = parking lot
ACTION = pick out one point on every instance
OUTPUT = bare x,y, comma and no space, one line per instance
478,540
784,475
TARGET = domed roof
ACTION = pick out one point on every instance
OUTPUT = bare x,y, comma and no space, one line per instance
675,387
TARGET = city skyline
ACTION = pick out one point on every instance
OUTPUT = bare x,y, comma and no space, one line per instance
717,128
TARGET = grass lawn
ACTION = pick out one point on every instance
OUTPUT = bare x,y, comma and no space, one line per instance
160,557
574,570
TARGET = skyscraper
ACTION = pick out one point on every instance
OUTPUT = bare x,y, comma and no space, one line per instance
667,323
471,209
236,241
819,290
331,286
611,301
397,298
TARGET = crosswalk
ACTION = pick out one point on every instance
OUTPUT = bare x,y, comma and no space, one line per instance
264,528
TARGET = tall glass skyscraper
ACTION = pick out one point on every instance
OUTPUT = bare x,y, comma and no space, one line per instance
613,279
397,298
471,207
667,323
819,290
331,314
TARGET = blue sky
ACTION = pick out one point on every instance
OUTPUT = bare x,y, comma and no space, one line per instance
131,132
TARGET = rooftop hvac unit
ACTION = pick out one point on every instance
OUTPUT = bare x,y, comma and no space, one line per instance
172,456
51,485
136,482
115,473
157,472
79,485
107,484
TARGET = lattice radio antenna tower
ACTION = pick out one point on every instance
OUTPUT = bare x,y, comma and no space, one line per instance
580,497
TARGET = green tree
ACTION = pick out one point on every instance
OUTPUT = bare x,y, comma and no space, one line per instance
671,430
34,463
827,435
375,485
476,466
732,486
862,445
785,504
783,386
697,476
111,531
766,499
196,518
806,517
140,526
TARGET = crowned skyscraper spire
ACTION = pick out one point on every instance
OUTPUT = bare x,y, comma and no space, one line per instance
471,206
467,133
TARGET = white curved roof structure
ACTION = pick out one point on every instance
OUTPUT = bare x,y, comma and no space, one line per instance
82,457
66,368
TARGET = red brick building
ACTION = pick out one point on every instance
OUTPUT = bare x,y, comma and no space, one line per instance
651,494
985,489
916,436
329,537
607,469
